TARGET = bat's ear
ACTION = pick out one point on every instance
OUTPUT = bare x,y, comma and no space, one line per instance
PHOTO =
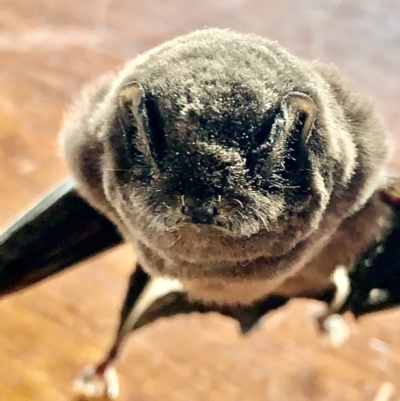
130,104
141,121
299,112
131,117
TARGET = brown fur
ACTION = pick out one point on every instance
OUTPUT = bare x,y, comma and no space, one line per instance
228,163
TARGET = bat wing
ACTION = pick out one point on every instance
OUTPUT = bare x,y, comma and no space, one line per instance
375,281
58,232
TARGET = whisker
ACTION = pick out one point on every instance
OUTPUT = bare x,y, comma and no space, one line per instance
241,215
148,207
238,201
175,241
259,216
155,222
263,221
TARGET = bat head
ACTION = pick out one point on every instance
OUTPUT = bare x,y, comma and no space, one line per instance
223,148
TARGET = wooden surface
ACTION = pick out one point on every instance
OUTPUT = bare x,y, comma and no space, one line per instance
48,49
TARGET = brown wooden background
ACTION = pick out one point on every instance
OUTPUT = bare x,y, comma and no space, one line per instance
48,49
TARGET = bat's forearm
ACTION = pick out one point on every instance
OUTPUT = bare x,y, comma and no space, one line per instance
58,232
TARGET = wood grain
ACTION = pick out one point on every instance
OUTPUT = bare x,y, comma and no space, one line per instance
48,49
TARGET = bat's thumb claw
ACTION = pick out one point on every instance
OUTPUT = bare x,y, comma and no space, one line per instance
335,329
91,385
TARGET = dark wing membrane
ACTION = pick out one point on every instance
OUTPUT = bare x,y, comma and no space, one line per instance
55,234
376,285
391,192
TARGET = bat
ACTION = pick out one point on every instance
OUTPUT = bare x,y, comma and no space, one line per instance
239,189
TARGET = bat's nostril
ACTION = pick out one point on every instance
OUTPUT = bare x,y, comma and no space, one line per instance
200,214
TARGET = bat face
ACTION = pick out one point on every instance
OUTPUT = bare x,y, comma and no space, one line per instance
217,149
219,154
218,172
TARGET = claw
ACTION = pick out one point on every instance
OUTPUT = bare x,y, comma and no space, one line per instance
147,300
93,385
336,329
331,322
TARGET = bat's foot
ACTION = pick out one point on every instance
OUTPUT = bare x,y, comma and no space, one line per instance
334,329
331,324
93,385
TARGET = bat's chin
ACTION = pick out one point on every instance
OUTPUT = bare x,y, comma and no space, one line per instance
227,292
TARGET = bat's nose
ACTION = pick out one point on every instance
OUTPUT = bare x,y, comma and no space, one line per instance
198,212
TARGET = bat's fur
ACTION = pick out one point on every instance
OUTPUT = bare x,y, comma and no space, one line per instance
230,164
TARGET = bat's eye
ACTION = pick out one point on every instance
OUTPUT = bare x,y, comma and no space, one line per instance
264,135
156,130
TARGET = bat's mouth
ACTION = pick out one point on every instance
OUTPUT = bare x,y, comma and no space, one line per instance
201,228
230,226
